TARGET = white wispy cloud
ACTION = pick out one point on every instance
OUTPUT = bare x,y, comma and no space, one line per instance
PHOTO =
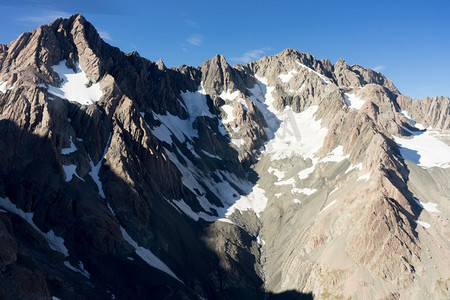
195,39
251,55
379,68
191,23
43,17
105,35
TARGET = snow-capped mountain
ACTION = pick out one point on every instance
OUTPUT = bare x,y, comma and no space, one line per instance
287,177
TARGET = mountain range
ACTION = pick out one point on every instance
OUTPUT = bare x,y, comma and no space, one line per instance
285,178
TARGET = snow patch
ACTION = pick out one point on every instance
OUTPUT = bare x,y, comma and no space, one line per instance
411,121
298,134
3,87
173,125
225,220
424,224
279,174
74,86
260,241
353,167
196,103
286,182
70,170
353,101
55,243
237,142
305,191
69,150
303,174
243,103
228,109
150,258
287,77
429,206
296,201
424,149
364,177
228,95
255,201
336,155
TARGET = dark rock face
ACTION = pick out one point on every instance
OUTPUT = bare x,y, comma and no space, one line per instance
140,194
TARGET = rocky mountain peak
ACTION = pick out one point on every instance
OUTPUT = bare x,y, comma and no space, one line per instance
219,76
160,64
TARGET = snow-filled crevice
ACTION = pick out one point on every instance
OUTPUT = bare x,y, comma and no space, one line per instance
95,169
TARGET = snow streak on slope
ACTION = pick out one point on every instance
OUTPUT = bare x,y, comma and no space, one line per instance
80,268
55,242
3,87
74,86
322,77
95,169
424,224
147,255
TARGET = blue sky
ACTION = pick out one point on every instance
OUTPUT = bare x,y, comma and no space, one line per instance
408,41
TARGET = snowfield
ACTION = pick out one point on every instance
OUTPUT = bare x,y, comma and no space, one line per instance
74,86
354,101
424,149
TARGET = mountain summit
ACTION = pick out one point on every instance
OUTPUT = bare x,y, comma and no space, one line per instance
287,177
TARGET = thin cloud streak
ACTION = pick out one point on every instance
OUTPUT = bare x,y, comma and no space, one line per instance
196,40
43,17
379,68
105,35
191,23
251,55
